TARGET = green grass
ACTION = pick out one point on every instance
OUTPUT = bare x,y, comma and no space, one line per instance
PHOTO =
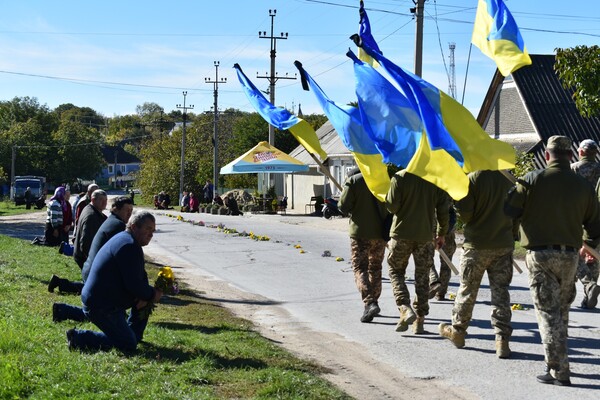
8,208
192,349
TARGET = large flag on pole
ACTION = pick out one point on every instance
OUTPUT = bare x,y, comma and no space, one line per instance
364,30
280,117
347,122
453,135
396,130
497,35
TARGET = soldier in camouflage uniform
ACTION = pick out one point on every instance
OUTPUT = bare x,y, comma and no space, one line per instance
415,204
367,242
552,240
438,283
588,267
488,246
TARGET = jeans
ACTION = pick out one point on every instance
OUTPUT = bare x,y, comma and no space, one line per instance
117,331
70,312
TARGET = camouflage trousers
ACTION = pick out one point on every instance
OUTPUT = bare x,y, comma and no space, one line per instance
367,257
443,277
400,252
588,273
552,286
473,264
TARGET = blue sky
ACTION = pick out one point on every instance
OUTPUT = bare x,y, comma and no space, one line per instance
114,55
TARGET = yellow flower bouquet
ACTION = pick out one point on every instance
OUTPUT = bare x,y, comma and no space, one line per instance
165,282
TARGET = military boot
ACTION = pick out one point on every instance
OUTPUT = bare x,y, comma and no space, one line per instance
502,349
407,317
417,327
592,300
455,336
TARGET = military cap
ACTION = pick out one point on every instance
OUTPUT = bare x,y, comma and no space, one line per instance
560,143
588,144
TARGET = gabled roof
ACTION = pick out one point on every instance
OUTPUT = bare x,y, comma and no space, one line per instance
550,106
123,157
330,142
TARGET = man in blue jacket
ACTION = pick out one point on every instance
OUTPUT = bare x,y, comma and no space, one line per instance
117,281
120,212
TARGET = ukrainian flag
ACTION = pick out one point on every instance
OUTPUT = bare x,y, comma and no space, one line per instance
497,35
347,122
281,118
453,136
364,30
386,114
397,131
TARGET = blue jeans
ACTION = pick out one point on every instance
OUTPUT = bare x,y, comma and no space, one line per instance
117,331
68,311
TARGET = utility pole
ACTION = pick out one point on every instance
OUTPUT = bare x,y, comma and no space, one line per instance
184,108
452,85
418,11
215,128
13,160
272,77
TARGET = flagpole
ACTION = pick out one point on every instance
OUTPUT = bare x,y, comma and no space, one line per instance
462,100
326,172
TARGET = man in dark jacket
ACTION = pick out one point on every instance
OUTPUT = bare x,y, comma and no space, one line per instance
84,201
117,282
555,205
367,242
89,222
120,212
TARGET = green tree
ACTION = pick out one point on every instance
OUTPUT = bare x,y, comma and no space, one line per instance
77,150
525,163
579,69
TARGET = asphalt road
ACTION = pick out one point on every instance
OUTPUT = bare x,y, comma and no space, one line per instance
310,304
318,294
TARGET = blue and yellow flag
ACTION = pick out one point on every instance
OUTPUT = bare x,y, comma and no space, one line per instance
347,122
497,35
454,143
364,31
386,115
281,118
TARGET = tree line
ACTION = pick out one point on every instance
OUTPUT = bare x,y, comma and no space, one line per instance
64,144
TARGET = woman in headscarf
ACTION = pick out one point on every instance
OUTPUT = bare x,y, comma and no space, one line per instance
54,218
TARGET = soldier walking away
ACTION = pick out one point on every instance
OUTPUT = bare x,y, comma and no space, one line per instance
488,246
416,204
552,246
367,239
588,267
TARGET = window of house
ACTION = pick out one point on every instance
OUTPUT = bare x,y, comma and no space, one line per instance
123,168
111,169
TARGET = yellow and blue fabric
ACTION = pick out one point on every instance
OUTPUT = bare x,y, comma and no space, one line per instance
497,35
281,118
347,122
264,158
387,116
364,30
454,139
